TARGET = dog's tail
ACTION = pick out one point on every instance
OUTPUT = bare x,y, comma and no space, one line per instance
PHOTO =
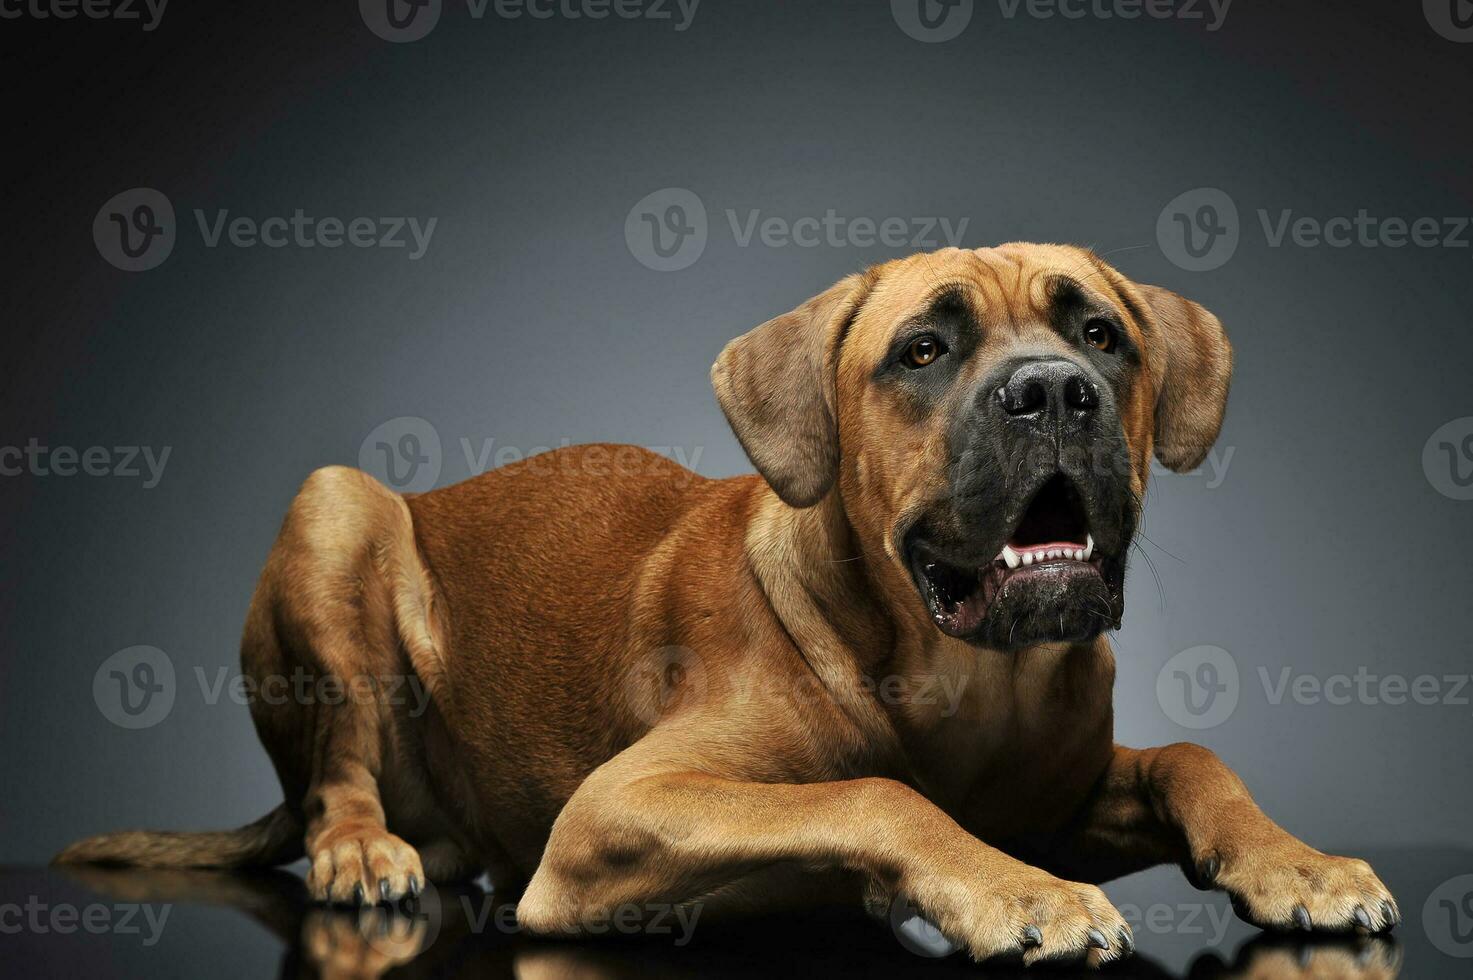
274,839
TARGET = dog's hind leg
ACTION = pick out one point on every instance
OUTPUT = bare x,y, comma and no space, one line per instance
340,646
340,625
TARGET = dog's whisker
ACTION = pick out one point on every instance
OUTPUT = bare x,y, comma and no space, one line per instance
1160,589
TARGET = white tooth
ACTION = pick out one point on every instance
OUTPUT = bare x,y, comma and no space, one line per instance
1027,558
1079,554
1054,552
1011,557
1089,546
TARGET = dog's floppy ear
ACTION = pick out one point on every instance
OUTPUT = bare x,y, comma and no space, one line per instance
776,385
1191,364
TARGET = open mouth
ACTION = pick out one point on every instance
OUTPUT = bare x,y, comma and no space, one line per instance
1052,541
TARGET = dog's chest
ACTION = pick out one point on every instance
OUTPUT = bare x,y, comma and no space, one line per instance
1017,748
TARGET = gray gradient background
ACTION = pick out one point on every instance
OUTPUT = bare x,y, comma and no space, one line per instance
529,322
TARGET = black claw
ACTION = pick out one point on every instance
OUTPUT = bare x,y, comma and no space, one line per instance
1207,870
1097,939
1127,940
1362,917
1301,918
413,887
383,889
1390,914
358,894
1032,937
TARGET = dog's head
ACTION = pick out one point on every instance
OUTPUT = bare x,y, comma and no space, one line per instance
986,419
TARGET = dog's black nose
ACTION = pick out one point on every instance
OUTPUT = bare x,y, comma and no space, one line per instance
1048,389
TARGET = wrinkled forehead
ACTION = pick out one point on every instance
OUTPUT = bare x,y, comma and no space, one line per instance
1010,288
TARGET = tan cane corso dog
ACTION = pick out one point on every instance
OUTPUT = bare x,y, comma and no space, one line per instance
650,687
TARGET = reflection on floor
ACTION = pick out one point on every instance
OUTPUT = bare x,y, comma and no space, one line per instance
98,921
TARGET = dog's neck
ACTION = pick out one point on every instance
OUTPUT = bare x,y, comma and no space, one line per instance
809,567
913,692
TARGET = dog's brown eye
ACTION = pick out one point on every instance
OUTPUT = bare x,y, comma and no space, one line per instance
922,351
1100,334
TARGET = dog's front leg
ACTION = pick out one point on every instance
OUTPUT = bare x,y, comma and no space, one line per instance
1181,804
644,830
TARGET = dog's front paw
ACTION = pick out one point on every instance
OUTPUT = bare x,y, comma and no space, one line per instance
1284,884
1024,913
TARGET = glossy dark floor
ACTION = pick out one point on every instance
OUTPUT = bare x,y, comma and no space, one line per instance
105,923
